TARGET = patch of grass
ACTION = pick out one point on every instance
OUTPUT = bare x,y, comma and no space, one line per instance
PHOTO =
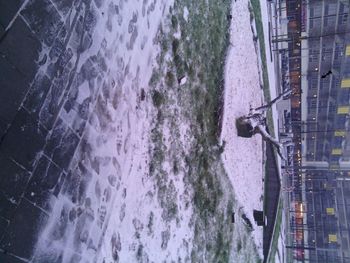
239,246
169,79
277,231
150,223
175,45
154,78
139,253
157,98
199,54
174,22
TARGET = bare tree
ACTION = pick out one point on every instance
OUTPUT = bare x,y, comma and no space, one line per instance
255,122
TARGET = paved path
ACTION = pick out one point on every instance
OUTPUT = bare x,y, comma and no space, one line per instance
71,77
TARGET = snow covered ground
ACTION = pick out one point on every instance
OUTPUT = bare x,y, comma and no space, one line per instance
147,187
118,217
243,157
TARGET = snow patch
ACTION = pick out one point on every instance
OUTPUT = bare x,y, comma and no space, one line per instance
243,157
186,13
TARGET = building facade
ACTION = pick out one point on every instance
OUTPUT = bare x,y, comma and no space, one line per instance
325,82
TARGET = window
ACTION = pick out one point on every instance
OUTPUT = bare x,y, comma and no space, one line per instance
342,18
343,14
323,102
326,52
326,9
315,23
313,86
329,21
319,149
314,82
337,142
310,144
316,10
324,83
344,97
335,83
325,22
313,58
331,9
338,51
340,122
313,103
311,12
345,243
314,54
332,109
312,111
341,8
